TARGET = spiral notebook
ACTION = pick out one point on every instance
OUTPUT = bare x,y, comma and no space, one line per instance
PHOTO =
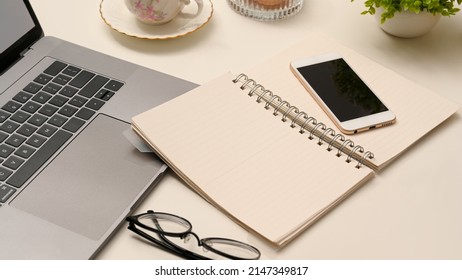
273,165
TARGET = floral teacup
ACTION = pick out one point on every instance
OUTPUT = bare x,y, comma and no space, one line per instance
156,12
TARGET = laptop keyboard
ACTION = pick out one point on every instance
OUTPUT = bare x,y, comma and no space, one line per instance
42,117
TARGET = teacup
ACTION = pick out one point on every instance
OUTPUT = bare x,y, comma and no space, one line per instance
157,12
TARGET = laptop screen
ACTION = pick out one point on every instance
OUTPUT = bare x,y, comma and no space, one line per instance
19,28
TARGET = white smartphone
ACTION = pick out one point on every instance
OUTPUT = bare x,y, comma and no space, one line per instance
341,93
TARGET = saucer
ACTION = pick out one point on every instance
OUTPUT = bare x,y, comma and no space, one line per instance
118,17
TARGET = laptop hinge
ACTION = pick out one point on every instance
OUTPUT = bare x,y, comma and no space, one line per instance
25,52
16,60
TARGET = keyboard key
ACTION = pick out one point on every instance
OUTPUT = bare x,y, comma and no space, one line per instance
24,151
37,120
73,124
32,88
3,136
36,140
48,110
13,162
57,120
81,79
47,130
52,88
15,140
4,173
5,193
67,110
11,106
42,97
43,79
58,100
9,126
104,94
4,116
68,91
20,116
22,97
71,70
5,151
114,85
85,113
39,158
61,79
31,107
108,96
78,101
55,68
93,86
95,104
26,130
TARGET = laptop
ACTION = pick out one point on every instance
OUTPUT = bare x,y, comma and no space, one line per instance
68,173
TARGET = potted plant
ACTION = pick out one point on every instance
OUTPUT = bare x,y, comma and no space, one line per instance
397,16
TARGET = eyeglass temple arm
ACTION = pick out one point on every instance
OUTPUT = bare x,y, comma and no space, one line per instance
164,246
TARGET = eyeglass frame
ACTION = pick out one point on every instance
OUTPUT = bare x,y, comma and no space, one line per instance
171,247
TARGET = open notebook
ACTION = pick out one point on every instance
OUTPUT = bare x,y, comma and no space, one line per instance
272,161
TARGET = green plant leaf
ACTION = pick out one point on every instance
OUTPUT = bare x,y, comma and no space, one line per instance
390,7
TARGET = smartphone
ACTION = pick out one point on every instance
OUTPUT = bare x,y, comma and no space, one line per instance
341,93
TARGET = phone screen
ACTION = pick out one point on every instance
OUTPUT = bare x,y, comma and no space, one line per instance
342,90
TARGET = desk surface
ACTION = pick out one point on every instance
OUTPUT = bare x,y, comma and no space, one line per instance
411,210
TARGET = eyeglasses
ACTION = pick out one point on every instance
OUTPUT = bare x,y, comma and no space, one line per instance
164,229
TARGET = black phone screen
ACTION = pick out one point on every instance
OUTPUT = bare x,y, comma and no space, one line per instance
342,90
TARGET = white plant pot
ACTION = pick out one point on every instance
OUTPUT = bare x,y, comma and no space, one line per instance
408,24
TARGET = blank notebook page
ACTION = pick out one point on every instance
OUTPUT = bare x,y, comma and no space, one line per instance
246,161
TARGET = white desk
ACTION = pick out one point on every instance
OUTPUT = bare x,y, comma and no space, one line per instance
413,209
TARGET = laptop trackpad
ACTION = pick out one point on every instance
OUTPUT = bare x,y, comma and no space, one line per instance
90,184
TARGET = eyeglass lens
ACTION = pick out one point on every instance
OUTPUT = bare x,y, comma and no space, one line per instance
232,248
166,223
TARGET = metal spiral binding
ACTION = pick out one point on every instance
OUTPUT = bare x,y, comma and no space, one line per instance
321,138
305,122
316,128
334,140
299,114
291,108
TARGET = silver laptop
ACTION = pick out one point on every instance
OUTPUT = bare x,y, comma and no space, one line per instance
68,174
